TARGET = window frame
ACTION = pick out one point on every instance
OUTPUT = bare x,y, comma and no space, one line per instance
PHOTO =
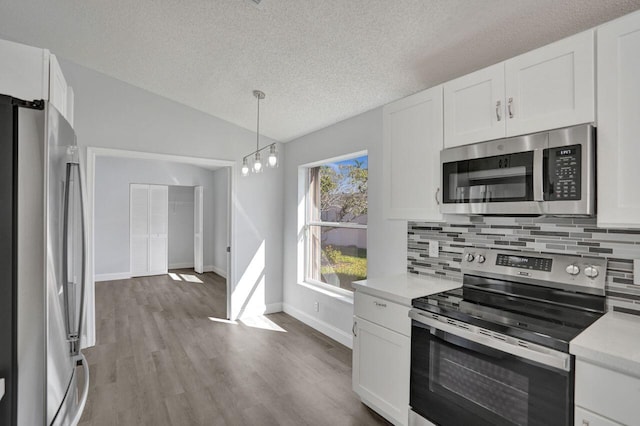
308,223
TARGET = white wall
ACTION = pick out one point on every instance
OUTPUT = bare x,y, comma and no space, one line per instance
113,177
181,217
220,213
112,114
386,240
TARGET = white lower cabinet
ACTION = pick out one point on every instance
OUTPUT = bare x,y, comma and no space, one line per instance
587,418
605,396
381,358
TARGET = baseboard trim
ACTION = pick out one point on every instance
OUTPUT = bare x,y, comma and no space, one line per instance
219,271
272,308
112,277
183,265
324,328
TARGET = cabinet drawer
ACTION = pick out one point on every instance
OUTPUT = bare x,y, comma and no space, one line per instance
383,312
587,418
607,392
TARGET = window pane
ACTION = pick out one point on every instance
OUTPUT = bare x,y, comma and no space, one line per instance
339,191
337,256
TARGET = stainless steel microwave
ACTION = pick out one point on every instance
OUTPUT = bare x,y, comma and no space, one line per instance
547,173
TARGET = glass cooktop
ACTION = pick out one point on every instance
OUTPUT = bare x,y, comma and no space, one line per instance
542,315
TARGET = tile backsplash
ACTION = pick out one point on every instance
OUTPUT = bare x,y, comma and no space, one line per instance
574,236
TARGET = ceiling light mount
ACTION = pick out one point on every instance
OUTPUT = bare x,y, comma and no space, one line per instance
272,159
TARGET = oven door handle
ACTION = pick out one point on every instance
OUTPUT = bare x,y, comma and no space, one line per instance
535,353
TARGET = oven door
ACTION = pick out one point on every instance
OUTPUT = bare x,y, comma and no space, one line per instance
458,381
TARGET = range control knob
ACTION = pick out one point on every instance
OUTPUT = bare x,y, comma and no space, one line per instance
469,257
573,270
591,271
480,258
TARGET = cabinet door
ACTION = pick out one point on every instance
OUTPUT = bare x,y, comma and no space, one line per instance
618,123
24,71
551,87
57,86
474,107
381,370
411,156
587,418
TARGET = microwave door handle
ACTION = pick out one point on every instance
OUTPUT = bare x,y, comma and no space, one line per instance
538,172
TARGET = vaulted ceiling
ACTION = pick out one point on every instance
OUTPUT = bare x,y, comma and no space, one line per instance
319,62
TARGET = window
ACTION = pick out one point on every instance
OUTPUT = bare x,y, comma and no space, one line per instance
336,222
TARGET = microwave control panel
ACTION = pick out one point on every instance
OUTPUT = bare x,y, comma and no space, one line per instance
563,172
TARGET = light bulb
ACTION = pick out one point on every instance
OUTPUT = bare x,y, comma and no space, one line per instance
245,167
272,160
257,164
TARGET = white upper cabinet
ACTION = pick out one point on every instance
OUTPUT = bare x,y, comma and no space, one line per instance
547,88
30,73
551,87
24,71
619,122
474,107
57,86
411,156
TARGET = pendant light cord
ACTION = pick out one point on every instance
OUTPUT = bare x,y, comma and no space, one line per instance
258,127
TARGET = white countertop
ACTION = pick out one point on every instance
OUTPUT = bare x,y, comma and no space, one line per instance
613,341
402,288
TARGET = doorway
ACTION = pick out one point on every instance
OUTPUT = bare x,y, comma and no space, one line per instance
192,198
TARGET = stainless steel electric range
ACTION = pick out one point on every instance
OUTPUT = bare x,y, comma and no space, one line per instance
496,351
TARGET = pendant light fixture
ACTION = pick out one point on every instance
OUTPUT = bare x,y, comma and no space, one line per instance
272,160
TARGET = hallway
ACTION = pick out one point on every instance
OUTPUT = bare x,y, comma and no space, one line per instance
166,356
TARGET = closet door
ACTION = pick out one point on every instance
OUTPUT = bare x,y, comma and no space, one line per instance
139,229
158,229
198,246
149,224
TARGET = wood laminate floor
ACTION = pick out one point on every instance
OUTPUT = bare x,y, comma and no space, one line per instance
161,360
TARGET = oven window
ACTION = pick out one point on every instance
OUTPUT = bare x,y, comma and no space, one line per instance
495,389
458,382
491,179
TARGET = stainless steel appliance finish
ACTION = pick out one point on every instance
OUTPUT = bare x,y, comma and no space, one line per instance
496,351
48,229
508,344
574,273
547,173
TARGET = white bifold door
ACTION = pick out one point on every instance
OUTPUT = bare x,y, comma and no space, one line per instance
149,225
198,216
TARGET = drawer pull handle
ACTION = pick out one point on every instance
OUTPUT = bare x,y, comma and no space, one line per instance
380,305
585,422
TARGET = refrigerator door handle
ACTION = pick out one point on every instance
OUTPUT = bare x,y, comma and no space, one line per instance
85,391
73,316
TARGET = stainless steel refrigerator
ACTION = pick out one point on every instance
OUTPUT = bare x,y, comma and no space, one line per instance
42,267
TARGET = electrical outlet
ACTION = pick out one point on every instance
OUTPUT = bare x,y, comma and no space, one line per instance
316,306
636,271
434,248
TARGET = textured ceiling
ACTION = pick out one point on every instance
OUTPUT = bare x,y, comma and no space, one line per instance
319,62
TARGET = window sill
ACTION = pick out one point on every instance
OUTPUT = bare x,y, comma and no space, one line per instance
329,291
